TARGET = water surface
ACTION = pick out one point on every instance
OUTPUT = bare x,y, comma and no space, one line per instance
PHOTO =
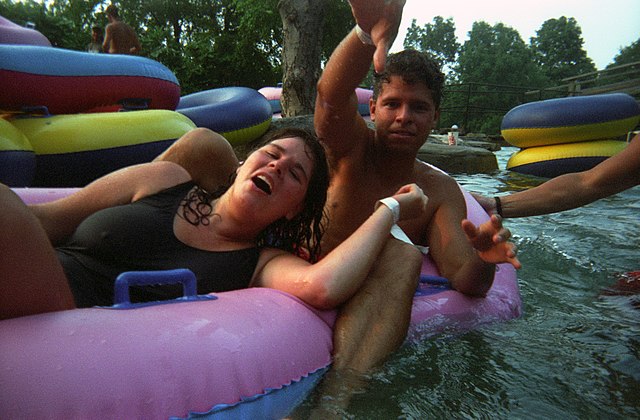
574,354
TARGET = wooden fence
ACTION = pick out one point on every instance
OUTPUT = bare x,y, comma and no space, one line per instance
624,78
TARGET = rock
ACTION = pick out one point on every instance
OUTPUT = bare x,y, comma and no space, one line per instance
458,159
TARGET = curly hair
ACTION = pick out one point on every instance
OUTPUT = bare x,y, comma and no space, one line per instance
300,235
414,67
304,232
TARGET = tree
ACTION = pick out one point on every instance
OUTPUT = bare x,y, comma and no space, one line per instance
627,55
302,24
493,63
437,38
558,49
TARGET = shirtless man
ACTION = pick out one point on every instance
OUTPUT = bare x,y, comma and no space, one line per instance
119,38
368,165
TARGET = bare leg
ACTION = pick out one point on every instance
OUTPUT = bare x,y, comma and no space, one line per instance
370,326
374,322
32,279
206,155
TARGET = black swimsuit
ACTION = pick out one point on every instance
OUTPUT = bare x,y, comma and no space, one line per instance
138,237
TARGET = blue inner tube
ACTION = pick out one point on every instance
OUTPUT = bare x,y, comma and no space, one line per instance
576,110
226,109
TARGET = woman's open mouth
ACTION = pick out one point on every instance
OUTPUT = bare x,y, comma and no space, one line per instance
262,183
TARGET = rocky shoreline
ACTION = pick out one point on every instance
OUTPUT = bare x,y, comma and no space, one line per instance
472,154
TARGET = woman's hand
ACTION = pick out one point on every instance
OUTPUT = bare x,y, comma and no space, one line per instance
490,240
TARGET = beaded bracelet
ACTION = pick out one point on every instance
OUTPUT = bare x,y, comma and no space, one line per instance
498,206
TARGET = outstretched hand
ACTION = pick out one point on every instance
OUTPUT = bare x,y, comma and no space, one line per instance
380,19
490,240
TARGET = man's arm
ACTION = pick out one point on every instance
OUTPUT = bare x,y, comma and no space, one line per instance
336,111
336,117
573,190
136,48
467,255
106,44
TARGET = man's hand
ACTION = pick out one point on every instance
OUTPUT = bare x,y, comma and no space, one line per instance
490,240
381,20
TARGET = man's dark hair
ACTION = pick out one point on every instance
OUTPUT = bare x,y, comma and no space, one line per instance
414,67
112,10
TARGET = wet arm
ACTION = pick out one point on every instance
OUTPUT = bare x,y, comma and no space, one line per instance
464,253
61,217
336,277
455,258
336,111
573,190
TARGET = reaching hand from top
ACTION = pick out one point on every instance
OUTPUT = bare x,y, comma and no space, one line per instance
381,20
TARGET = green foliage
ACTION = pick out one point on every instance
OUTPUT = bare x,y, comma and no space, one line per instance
496,66
338,21
216,43
627,55
490,73
437,38
557,49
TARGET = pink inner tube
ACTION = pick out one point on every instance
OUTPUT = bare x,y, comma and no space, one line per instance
200,357
11,33
273,96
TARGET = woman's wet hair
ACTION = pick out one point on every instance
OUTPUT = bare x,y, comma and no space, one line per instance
303,233
300,235
414,67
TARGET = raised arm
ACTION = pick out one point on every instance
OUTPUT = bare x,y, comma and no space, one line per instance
378,23
573,190
336,277
336,111
61,217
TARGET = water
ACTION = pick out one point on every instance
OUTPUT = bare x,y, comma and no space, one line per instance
574,354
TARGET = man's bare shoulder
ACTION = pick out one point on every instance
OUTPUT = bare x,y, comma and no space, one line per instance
428,176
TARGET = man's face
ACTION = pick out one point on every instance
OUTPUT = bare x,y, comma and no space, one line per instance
404,114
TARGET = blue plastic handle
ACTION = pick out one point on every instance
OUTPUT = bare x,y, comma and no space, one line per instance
426,278
124,281
433,285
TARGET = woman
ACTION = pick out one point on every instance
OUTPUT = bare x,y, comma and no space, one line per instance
246,234
95,46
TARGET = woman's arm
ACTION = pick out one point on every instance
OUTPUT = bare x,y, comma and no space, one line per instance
336,277
61,217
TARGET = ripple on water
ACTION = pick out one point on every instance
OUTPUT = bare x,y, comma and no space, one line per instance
573,354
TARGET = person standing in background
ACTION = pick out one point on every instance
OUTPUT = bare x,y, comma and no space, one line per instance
95,46
119,38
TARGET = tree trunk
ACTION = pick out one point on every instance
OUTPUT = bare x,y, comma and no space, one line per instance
302,22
